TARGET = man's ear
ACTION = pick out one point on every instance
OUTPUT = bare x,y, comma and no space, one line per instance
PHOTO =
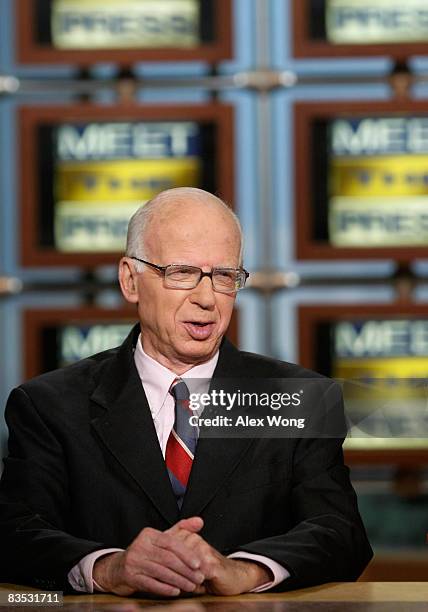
128,281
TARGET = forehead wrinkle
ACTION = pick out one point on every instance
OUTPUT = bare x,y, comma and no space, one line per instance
181,202
185,223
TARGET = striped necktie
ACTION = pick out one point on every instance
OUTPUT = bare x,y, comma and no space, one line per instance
180,448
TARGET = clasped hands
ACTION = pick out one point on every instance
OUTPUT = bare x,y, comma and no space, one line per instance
176,561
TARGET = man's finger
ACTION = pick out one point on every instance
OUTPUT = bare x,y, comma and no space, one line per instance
172,542
167,576
151,585
173,562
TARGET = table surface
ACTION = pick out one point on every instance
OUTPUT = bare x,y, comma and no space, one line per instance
359,597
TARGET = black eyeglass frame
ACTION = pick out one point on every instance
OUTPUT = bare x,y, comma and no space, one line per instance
163,269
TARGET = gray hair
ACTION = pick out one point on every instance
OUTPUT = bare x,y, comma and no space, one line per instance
141,219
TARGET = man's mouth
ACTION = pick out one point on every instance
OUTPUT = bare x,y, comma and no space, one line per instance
199,330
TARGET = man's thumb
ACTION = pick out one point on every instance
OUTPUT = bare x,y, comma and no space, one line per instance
193,524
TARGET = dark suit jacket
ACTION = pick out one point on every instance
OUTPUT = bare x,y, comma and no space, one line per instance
85,471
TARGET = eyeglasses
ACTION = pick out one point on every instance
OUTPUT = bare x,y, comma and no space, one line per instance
181,276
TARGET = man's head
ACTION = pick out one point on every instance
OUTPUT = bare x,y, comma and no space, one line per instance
181,327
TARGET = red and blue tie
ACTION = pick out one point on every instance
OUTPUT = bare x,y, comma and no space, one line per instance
181,445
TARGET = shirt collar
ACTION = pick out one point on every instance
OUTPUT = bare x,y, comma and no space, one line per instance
157,379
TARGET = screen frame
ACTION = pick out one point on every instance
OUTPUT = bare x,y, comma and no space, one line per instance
32,252
304,114
309,316
35,319
303,46
29,51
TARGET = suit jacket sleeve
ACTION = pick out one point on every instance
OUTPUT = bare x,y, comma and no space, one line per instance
35,503
327,542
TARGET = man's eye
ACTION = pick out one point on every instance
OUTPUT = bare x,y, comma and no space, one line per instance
225,276
182,273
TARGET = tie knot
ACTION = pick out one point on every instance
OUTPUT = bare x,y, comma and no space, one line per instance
179,390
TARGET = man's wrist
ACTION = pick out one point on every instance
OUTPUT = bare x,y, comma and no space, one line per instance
277,573
254,574
102,571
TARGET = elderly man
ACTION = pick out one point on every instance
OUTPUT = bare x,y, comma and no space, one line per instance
108,488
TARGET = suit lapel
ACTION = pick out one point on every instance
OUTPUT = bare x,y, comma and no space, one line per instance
126,429
215,458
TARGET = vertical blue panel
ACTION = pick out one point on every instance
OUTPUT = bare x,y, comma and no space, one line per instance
250,311
419,64
250,303
5,378
8,186
246,203
243,38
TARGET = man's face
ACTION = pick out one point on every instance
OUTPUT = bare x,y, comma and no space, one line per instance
183,327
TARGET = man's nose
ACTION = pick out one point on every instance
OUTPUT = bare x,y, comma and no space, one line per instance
203,294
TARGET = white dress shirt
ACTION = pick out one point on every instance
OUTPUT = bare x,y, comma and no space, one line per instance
156,380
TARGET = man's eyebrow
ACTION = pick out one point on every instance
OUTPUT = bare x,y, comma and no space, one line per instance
183,263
